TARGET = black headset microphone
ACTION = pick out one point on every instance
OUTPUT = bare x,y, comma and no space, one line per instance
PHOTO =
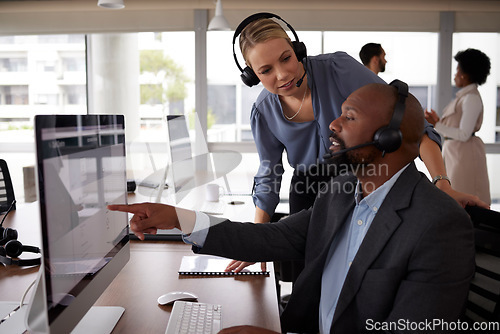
333,154
388,138
299,82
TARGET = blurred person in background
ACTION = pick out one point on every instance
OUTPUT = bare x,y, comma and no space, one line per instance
463,152
372,55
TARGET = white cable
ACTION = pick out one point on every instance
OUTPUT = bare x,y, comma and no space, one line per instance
26,292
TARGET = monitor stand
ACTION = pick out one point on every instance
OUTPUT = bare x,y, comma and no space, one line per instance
6,308
15,323
99,320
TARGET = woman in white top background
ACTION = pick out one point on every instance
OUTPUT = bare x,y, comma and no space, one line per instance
463,152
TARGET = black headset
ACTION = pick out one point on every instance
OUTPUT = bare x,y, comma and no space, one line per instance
11,248
389,138
9,254
248,76
7,234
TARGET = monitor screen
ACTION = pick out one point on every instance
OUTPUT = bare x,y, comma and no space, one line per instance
153,163
182,164
178,138
81,169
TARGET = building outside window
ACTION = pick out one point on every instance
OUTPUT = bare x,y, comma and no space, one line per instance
13,64
14,95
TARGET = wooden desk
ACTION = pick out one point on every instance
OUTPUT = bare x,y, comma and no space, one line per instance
151,272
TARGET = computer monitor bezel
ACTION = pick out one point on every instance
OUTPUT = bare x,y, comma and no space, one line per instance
40,317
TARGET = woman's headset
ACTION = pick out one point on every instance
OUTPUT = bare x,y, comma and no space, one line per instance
248,76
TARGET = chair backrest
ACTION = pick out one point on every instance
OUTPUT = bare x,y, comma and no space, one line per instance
483,304
6,189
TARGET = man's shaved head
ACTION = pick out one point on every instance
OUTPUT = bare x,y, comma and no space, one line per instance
412,125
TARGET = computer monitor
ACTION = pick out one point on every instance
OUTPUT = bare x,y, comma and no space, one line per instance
178,138
147,162
152,162
182,170
80,170
187,171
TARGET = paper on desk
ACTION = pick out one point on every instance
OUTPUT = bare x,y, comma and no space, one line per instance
208,265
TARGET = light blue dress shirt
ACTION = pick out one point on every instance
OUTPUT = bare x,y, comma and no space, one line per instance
200,230
344,247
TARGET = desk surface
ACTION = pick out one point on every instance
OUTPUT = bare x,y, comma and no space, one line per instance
151,272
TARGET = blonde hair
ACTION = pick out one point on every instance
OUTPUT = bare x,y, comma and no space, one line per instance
260,31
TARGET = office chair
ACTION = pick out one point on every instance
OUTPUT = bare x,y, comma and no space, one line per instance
483,304
6,189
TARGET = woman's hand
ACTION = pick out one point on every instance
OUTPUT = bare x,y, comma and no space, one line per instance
463,199
431,117
237,266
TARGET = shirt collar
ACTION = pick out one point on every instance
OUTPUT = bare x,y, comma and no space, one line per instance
375,199
467,89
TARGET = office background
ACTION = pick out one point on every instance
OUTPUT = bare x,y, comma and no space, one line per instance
156,57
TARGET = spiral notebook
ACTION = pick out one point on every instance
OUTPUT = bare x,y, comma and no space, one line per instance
208,265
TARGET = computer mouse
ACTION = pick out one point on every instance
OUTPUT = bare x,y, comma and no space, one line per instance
171,297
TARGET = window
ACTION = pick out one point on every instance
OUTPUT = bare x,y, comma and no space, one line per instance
47,99
33,84
46,66
221,102
166,80
14,95
424,94
7,40
13,64
74,95
60,39
406,61
156,71
75,63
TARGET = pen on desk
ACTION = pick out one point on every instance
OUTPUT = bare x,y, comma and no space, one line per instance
236,202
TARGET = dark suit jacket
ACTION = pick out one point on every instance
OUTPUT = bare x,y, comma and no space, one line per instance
414,264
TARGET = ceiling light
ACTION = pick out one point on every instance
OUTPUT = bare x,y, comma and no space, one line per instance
111,4
219,22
